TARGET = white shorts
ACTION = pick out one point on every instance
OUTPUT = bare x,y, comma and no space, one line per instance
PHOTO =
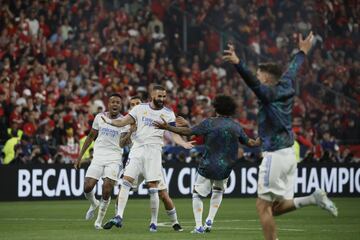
146,161
277,173
161,185
203,186
108,170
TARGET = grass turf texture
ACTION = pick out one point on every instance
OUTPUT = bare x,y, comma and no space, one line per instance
236,219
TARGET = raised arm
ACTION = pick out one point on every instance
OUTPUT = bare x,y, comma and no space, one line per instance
179,130
128,119
91,137
262,91
181,142
295,64
231,57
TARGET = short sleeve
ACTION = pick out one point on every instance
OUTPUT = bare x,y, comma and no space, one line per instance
172,119
125,129
95,124
134,113
202,128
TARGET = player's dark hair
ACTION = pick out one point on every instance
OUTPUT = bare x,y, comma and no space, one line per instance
271,68
115,95
224,105
158,87
136,97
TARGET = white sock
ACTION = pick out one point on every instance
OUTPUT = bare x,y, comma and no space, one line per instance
300,202
116,206
91,197
197,209
116,202
172,215
215,201
104,204
154,204
123,197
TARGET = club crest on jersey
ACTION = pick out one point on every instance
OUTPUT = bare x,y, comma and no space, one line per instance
145,113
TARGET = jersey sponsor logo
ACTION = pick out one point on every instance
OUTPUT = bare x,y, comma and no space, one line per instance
108,132
147,121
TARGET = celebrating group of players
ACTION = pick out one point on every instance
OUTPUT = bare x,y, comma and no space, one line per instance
144,126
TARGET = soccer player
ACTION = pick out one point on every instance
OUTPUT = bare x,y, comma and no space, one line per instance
277,171
222,135
145,155
163,194
107,159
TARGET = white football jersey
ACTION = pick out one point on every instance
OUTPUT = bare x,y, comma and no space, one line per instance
106,147
145,116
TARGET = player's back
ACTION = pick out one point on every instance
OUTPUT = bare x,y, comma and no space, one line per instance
221,147
275,119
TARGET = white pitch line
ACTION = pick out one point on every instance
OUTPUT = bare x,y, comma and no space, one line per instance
164,224
259,229
225,221
42,219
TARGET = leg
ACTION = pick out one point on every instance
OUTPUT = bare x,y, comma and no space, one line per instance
116,201
90,195
93,173
170,209
152,173
215,202
154,204
124,194
198,208
264,210
202,188
282,207
318,198
89,184
105,201
165,198
122,201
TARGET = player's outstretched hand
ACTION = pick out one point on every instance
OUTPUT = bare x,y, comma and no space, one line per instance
230,55
306,44
189,145
161,125
181,122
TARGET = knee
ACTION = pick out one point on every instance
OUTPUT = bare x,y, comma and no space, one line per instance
88,187
262,206
152,184
276,209
107,188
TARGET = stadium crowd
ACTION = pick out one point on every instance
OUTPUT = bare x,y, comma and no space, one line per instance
60,59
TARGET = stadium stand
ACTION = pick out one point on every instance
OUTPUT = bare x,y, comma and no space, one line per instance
60,59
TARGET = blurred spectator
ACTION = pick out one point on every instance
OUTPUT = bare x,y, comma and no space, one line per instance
9,148
60,59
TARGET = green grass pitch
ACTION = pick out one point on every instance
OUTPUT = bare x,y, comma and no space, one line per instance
236,219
